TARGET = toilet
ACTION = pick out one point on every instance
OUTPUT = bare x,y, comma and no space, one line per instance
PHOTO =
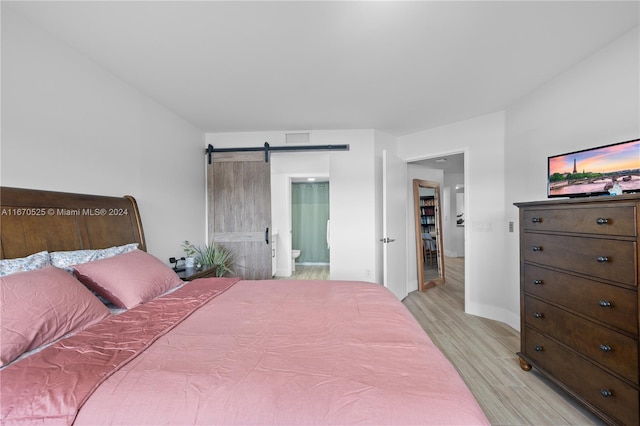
294,255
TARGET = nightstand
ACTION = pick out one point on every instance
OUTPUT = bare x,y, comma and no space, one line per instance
190,274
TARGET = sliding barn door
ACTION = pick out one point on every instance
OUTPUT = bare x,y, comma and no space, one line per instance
239,197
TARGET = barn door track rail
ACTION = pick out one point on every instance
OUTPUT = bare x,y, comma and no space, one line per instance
269,149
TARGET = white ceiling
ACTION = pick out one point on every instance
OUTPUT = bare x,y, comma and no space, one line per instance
452,163
399,67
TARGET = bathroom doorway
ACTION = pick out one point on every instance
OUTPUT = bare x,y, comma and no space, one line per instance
286,169
310,228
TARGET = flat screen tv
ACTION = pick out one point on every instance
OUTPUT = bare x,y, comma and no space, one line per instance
594,171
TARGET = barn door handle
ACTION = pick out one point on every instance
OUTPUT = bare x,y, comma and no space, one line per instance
266,236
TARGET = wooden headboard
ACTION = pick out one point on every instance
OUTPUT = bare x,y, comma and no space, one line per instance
34,220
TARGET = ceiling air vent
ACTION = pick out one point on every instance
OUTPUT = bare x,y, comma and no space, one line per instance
297,138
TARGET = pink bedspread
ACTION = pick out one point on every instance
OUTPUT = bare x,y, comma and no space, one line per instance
50,386
288,352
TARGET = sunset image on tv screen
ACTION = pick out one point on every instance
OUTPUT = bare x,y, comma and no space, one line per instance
596,171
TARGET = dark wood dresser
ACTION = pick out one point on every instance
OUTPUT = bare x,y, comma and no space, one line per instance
579,299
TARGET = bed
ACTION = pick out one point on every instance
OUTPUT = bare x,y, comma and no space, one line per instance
213,351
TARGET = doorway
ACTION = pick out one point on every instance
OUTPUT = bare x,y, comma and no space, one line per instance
288,168
448,170
310,228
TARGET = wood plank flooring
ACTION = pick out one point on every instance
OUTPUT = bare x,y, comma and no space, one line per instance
484,352
309,272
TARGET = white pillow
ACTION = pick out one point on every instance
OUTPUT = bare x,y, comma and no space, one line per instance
24,264
67,259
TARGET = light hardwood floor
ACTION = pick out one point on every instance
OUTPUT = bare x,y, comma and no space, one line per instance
484,352
309,272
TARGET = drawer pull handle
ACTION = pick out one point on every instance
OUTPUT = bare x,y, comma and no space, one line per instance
602,221
604,304
606,393
536,248
538,348
536,219
537,282
602,259
538,315
605,348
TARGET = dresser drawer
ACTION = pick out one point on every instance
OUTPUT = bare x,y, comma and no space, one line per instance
608,259
613,350
601,220
609,304
584,378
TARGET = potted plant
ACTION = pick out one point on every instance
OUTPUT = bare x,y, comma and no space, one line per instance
190,254
213,256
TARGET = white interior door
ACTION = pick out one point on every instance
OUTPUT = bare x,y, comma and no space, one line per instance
394,224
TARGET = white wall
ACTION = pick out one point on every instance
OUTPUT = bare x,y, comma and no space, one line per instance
481,139
596,102
68,125
352,194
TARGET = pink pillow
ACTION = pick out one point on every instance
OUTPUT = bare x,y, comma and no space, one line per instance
128,279
38,307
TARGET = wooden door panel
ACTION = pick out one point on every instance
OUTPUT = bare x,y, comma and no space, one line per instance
239,189
257,196
249,260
